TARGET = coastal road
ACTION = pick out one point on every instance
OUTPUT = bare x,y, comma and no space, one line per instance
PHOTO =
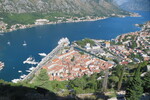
44,61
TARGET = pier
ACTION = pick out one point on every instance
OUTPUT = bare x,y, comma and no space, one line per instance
61,44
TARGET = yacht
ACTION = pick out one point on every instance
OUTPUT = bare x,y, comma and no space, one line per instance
19,71
15,80
23,76
1,65
42,54
24,43
30,60
8,43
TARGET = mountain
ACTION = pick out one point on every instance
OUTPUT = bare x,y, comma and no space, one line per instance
81,7
134,4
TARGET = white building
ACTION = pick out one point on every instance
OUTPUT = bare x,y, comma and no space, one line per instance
96,47
107,44
41,21
88,46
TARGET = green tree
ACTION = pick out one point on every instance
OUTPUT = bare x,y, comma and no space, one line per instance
118,70
121,79
146,82
134,89
113,80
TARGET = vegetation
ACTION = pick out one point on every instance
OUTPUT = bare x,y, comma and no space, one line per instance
146,82
118,80
134,89
83,42
42,80
132,56
29,18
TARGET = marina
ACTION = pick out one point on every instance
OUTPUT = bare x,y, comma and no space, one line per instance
63,42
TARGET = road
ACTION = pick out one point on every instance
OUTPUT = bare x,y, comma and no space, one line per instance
44,61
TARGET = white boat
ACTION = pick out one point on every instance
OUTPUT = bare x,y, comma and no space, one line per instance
28,71
24,43
42,54
19,71
30,60
32,68
15,80
8,43
1,65
23,76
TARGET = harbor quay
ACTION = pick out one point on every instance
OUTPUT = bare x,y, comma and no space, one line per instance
61,44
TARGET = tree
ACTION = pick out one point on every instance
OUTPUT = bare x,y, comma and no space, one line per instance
146,82
121,79
42,80
118,70
134,89
113,80
105,81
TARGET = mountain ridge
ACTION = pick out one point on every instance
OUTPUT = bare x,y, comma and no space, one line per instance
89,7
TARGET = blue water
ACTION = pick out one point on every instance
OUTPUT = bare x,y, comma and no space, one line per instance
44,39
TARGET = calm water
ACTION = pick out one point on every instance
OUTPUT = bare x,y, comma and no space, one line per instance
44,39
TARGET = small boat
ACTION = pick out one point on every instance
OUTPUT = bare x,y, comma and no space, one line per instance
42,54
30,60
23,76
8,43
28,71
32,68
19,71
24,43
1,65
15,80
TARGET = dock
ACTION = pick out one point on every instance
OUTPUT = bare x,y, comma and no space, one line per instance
61,44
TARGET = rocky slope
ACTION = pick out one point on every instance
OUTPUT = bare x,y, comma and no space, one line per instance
88,7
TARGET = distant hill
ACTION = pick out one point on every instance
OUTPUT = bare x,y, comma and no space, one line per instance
82,7
134,4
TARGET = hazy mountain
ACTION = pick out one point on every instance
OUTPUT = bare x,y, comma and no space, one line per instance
120,2
134,4
90,7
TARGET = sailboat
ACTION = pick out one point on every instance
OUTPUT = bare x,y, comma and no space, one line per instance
8,43
24,43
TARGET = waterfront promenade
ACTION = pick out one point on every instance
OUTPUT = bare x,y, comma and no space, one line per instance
50,56
55,51
43,62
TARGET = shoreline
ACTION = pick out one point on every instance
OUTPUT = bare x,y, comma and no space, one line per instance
68,21
52,23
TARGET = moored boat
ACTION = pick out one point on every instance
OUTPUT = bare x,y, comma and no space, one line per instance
1,65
